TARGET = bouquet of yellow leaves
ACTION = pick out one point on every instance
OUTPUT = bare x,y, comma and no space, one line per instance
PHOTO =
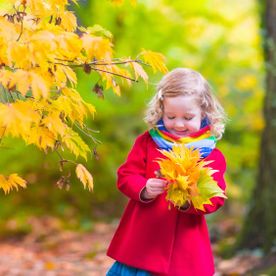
189,180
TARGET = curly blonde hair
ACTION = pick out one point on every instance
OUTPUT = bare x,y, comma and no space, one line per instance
185,81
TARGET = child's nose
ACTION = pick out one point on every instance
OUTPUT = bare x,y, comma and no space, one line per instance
179,123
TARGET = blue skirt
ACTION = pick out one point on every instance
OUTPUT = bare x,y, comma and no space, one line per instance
119,269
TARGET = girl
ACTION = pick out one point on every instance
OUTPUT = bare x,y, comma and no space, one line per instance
151,238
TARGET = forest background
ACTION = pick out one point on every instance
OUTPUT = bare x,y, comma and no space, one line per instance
220,39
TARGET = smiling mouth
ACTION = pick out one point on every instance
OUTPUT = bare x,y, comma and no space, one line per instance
184,132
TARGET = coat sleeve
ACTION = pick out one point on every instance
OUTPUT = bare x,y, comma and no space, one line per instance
219,164
132,174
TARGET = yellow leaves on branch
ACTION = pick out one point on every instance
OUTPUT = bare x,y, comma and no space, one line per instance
189,177
43,9
75,144
97,47
13,181
155,60
44,123
74,107
33,80
39,42
85,177
139,71
41,48
18,118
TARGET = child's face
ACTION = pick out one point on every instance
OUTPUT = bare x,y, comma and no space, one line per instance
181,115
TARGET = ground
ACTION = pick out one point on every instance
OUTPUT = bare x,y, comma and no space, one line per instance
48,251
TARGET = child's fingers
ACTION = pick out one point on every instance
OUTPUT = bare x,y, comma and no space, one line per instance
154,193
158,182
163,182
155,187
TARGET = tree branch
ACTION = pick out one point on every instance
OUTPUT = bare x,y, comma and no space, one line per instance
21,30
102,64
115,74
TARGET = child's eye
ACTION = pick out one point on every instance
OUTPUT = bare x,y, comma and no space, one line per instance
170,117
188,118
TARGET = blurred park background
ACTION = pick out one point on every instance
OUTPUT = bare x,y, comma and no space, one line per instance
222,40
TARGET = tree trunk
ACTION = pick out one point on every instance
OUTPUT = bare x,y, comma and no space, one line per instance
259,229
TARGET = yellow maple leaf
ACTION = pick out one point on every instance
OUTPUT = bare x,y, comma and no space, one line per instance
85,177
18,118
70,74
5,78
91,108
46,8
64,106
75,144
182,182
16,181
155,60
97,47
22,86
62,73
167,168
19,54
207,188
60,76
139,71
75,108
43,47
54,123
11,79
42,137
68,21
40,86
11,182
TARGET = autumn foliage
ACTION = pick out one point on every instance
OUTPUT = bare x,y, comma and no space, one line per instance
41,48
189,177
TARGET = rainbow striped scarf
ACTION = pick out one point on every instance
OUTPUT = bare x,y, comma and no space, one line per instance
202,139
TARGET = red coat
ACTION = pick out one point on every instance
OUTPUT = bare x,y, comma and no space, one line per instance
154,238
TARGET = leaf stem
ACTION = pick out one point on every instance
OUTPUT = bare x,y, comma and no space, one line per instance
96,141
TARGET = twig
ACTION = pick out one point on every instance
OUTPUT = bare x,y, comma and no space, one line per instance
1,138
115,74
102,64
6,96
97,69
1,94
90,129
21,30
96,141
112,63
62,160
11,96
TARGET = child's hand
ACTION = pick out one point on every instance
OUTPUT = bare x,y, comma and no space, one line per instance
154,187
